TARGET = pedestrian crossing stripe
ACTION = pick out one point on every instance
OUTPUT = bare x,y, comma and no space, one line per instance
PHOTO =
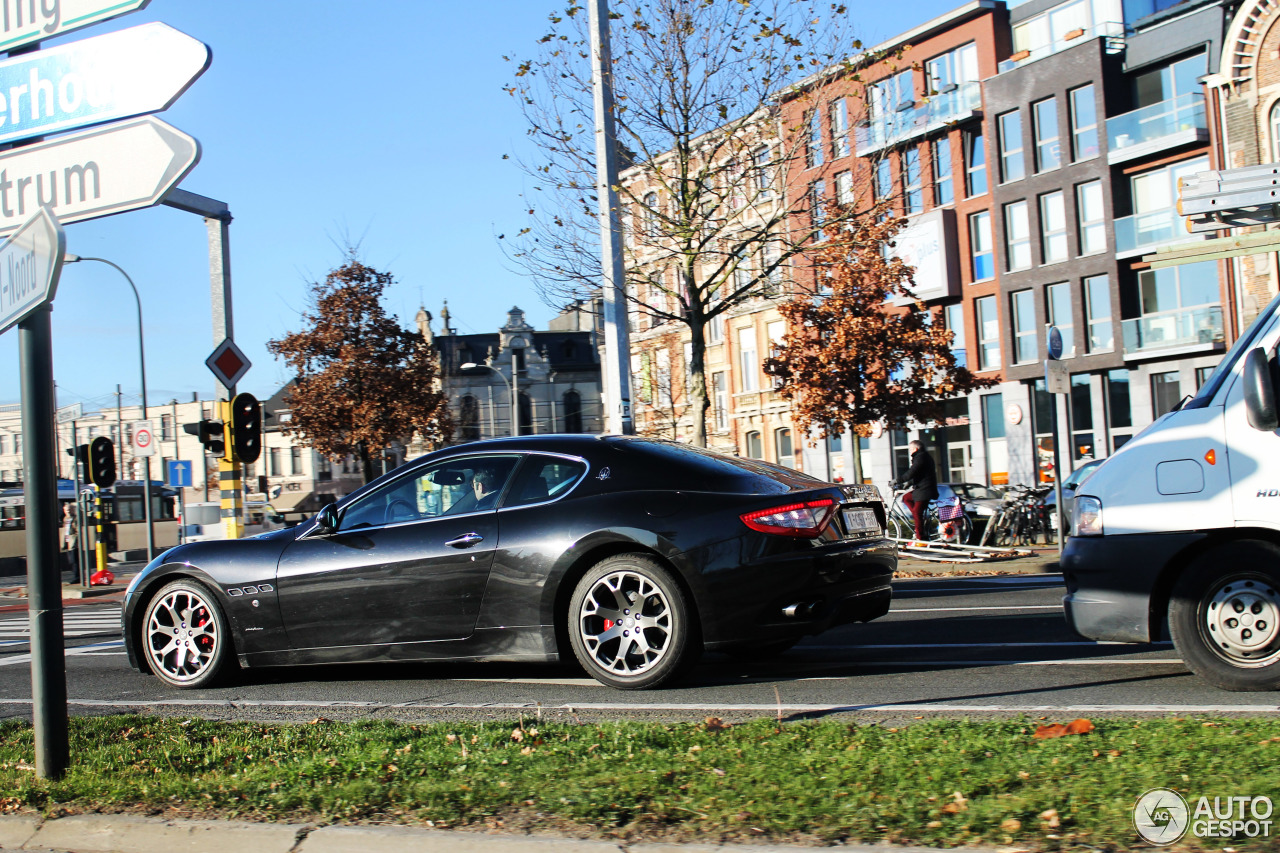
74,624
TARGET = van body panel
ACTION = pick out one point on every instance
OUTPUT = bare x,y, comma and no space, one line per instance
1255,476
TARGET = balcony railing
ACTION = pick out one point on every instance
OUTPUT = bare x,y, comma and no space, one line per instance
1186,328
1156,127
1112,31
1144,231
959,103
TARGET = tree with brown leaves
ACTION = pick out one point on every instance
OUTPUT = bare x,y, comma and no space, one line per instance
850,358
362,380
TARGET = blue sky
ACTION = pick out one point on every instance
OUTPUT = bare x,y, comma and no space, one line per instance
321,122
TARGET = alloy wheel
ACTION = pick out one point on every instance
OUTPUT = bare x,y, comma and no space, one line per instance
626,623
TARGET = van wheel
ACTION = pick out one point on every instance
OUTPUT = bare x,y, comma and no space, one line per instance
1224,616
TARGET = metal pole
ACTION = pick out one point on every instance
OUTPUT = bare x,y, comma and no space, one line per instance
44,586
1063,514
617,344
513,390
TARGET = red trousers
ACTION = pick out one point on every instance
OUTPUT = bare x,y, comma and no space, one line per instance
917,512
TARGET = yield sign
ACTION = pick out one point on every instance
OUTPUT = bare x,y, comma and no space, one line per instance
228,363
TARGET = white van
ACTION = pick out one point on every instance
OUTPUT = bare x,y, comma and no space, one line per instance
202,522
1178,534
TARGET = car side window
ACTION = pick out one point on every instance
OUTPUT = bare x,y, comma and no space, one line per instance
448,487
543,478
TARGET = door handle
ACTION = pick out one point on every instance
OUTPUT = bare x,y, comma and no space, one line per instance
466,540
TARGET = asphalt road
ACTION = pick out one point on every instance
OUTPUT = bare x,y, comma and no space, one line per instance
950,646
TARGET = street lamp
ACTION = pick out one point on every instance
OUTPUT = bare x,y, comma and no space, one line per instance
512,389
142,367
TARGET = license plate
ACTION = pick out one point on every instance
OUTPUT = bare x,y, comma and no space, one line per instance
860,521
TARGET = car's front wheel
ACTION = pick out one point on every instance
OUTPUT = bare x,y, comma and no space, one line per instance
631,625
184,636
1224,616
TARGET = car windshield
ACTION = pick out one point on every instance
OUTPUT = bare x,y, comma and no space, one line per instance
975,492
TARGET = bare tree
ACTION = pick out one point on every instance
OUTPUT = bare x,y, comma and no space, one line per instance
715,101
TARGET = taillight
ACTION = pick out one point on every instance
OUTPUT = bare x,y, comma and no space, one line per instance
806,520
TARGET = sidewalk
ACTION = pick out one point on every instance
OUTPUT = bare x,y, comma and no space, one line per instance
127,834
1044,560
13,591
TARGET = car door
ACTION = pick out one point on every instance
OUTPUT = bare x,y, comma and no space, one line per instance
408,561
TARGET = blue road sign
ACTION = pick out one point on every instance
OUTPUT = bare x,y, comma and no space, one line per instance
179,474
127,73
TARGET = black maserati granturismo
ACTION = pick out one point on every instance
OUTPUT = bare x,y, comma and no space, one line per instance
637,554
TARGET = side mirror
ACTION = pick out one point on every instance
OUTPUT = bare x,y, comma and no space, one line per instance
327,520
1260,391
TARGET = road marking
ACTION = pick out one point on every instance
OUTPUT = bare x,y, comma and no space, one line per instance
97,622
1038,580
78,650
693,707
982,607
854,648
1063,662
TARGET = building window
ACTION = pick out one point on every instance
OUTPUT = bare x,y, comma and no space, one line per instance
1053,227
1175,80
1202,376
975,164
1058,304
1092,214
273,462
912,188
1166,392
755,447
1081,400
762,172
1024,326
295,461
813,152
572,411
1175,288
1275,132
469,419
844,187
166,427
1119,408
652,225
889,96
884,179
720,400
1045,120
953,316
777,333
324,468
1097,295
952,68
994,433
782,447
748,359
1017,236
839,128
943,192
1084,123
988,333
817,209
980,247
1010,135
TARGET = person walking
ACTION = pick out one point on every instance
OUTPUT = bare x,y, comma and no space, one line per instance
922,477
70,541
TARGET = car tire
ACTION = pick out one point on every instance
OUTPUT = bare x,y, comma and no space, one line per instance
184,636
645,646
1224,616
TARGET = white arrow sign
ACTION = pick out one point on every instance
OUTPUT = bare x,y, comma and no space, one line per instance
107,170
28,22
30,263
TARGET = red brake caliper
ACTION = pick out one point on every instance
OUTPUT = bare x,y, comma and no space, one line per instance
608,623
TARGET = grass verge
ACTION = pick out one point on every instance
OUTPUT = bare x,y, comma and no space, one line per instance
933,782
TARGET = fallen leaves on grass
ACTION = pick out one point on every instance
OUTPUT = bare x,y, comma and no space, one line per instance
959,803
1050,818
1075,727
715,724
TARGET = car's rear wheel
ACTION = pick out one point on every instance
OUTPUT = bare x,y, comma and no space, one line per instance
1224,616
184,636
630,623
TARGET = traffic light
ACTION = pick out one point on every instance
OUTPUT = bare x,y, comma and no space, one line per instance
210,435
81,453
246,427
102,462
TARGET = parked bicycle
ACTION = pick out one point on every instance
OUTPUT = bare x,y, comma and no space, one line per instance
1022,519
944,521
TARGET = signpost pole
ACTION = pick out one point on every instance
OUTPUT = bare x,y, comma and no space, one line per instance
1056,382
48,663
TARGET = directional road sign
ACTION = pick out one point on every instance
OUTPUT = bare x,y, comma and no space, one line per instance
179,474
25,22
111,169
228,363
127,73
30,263
144,438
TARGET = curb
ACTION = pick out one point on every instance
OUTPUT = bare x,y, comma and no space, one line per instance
129,834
